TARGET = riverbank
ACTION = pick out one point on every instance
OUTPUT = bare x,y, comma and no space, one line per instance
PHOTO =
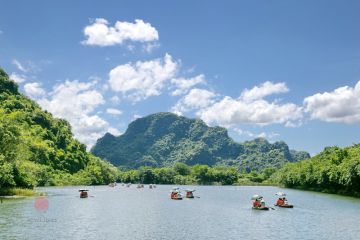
18,192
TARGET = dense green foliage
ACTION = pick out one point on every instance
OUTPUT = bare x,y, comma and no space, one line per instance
37,149
164,138
334,170
181,173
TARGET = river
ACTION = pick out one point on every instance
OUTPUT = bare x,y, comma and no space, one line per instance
220,212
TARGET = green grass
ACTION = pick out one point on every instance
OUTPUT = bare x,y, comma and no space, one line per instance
18,192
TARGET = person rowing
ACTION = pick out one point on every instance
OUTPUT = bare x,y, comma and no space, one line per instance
259,203
282,201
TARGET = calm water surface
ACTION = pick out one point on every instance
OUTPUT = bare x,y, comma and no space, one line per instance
219,213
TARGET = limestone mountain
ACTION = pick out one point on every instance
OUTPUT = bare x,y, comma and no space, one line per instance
162,139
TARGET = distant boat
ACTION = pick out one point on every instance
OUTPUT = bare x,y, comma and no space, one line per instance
282,201
189,193
259,203
175,194
83,193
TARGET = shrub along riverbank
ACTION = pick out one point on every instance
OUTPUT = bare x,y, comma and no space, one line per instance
182,174
334,170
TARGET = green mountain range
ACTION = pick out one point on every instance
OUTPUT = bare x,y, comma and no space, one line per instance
163,139
37,149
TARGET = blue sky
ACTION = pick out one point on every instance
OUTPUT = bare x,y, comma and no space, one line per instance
284,70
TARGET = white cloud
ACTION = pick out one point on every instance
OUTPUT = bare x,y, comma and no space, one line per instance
34,90
183,85
76,101
101,34
113,111
19,66
149,47
29,66
270,135
195,99
341,105
136,116
115,99
265,89
19,78
114,131
141,80
251,108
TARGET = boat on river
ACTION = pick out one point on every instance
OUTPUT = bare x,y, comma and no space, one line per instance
189,193
83,193
259,203
282,201
175,194
261,208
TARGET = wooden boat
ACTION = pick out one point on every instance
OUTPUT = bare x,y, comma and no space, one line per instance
177,197
189,193
176,194
285,206
83,193
261,208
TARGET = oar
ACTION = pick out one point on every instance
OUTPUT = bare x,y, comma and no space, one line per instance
271,208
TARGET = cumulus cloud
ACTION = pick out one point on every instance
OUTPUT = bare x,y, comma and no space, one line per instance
113,111
141,80
341,105
182,85
76,101
114,131
99,33
34,90
251,108
18,78
195,99
265,89
246,133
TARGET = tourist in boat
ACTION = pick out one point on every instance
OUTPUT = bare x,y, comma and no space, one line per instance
175,194
189,193
257,201
280,201
262,203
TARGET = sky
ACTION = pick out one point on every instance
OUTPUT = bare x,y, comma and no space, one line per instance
283,70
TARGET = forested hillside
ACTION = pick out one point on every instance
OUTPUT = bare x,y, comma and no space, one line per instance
162,139
334,170
37,149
